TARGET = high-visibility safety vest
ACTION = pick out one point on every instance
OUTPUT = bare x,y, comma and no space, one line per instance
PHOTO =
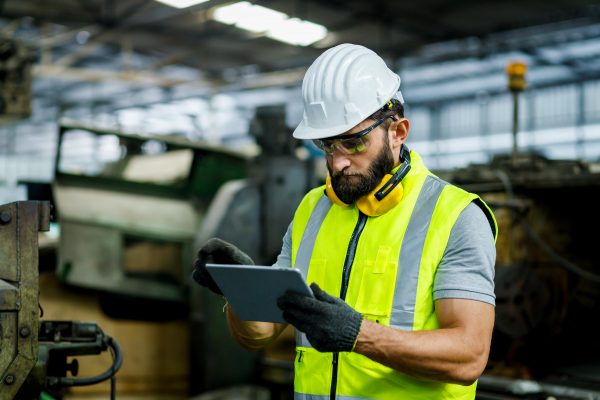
383,267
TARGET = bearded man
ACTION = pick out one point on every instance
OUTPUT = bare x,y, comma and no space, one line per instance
401,263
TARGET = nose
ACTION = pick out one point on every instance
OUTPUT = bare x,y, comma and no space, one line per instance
339,161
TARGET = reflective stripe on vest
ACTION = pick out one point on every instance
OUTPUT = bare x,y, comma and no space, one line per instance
405,293
306,248
309,237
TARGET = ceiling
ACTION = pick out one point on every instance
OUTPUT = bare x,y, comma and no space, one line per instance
79,44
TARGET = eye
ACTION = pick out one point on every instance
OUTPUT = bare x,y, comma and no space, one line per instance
355,145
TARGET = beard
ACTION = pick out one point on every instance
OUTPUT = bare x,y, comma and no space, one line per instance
351,187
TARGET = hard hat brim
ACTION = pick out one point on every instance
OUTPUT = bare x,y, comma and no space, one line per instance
304,132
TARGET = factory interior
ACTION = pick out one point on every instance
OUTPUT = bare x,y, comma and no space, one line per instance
132,131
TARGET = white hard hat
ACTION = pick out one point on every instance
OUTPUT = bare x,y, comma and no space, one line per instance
341,88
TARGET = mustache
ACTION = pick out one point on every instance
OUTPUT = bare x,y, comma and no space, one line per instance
341,174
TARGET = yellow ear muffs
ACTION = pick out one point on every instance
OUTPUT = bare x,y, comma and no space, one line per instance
384,197
372,207
369,204
331,193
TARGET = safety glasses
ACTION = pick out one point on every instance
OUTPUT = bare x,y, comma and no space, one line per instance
350,144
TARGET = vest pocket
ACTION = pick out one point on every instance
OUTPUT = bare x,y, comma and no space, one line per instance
312,371
376,292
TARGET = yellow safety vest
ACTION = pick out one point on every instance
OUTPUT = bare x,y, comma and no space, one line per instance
395,257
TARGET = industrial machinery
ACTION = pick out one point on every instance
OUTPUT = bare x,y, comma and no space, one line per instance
547,275
547,281
129,208
33,356
15,79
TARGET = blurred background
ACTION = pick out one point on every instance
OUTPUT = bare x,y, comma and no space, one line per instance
133,130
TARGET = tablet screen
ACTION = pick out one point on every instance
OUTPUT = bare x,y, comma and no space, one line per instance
252,290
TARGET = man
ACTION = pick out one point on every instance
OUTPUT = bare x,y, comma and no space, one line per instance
401,263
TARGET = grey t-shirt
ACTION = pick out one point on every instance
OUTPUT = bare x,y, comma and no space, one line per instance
467,267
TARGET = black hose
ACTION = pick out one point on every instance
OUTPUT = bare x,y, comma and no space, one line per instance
113,379
110,373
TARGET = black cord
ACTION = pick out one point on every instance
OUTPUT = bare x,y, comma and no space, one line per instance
566,264
110,373
113,379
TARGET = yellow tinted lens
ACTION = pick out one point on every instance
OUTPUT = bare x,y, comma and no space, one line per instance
353,146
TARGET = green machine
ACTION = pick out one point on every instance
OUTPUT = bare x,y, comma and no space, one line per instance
129,209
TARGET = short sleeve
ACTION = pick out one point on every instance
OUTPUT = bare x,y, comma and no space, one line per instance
284,259
467,267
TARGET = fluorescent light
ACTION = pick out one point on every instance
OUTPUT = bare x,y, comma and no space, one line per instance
259,19
297,32
181,3
274,24
231,14
249,17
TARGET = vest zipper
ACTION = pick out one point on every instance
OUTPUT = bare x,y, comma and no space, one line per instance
350,253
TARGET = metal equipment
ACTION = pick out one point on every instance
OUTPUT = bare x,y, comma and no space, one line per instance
33,355
19,226
59,340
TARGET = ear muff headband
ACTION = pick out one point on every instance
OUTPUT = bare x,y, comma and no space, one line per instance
384,197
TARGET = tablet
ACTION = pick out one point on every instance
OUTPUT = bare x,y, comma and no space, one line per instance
253,290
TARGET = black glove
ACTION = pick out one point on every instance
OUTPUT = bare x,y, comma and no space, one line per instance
216,251
329,323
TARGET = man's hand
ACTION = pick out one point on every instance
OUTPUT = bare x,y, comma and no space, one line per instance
329,323
216,251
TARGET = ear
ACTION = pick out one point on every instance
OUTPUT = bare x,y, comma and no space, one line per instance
398,132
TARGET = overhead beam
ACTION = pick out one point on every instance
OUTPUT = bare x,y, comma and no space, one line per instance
102,75
55,40
79,53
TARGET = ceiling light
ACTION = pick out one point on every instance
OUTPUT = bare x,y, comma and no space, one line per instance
181,3
297,32
273,24
259,19
249,17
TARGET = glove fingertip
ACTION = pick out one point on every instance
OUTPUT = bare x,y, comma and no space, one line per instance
315,288
211,245
319,293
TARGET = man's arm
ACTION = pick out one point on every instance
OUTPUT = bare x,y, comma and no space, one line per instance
457,352
252,335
